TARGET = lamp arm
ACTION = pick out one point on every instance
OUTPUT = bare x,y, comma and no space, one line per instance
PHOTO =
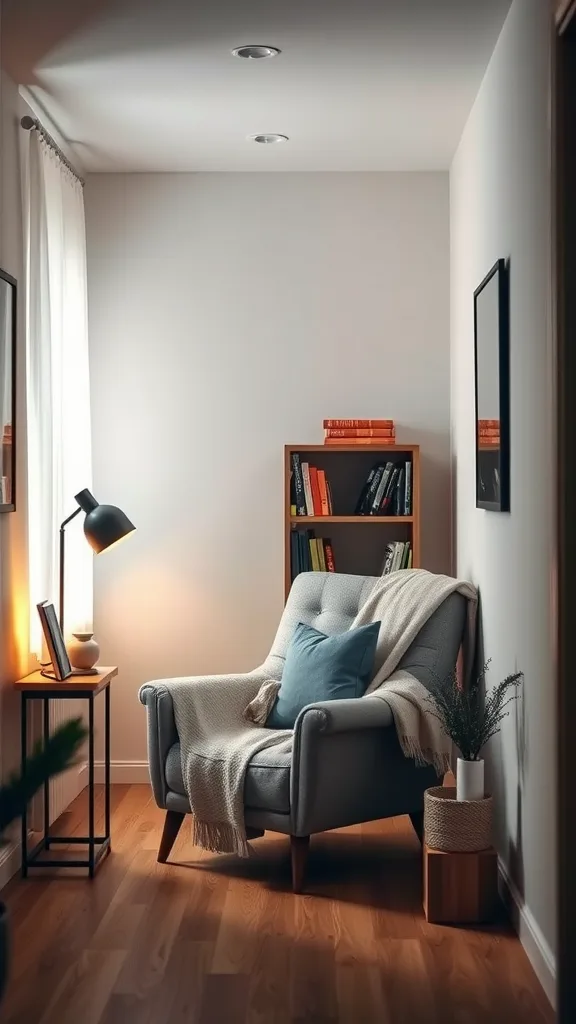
75,513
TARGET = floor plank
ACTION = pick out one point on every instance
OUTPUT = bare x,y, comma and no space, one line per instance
217,940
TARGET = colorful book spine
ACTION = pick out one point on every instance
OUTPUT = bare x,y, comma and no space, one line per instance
360,432
324,504
298,485
314,486
368,442
314,554
321,556
371,493
329,555
385,507
381,491
357,424
307,489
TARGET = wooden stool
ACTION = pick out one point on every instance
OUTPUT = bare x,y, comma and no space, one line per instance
460,888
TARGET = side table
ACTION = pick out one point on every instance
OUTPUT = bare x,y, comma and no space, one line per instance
460,888
85,687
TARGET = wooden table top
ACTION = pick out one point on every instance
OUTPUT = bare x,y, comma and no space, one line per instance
37,683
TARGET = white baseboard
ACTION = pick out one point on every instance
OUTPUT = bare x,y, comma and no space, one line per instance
535,945
128,772
10,861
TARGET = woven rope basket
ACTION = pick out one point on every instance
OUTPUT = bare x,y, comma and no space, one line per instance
456,826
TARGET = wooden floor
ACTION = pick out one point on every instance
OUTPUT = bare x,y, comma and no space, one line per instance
215,940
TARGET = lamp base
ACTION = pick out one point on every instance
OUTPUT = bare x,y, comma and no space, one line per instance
85,671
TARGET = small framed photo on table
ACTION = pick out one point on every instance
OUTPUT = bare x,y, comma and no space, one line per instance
54,641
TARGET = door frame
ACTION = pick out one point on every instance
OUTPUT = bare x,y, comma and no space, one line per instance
564,311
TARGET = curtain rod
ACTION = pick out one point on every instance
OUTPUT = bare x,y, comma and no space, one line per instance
32,124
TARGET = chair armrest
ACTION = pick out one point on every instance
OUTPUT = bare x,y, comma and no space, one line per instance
343,716
335,756
162,732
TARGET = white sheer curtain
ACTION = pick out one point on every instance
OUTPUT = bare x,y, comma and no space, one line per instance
58,385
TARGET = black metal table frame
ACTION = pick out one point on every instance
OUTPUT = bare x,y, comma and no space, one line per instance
98,846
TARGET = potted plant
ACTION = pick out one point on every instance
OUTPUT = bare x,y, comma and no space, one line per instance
471,716
44,763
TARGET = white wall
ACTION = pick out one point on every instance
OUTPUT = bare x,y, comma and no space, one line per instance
229,313
500,207
13,531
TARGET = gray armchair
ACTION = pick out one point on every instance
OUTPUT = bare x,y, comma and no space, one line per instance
346,765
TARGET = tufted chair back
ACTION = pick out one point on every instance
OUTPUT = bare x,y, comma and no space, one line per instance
330,602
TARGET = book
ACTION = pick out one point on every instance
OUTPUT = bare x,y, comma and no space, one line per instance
313,554
329,555
294,555
298,485
305,557
489,423
321,555
407,550
329,496
385,507
408,490
371,492
398,555
364,492
388,556
324,505
358,424
381,490
316,500
359,432
374,442
397,503
410,559
307,489
292,494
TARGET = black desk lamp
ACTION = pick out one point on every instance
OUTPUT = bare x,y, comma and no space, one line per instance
104,525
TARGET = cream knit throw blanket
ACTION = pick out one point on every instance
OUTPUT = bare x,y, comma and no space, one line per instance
218,717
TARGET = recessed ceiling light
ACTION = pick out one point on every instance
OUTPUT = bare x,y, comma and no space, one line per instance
255,52
268,138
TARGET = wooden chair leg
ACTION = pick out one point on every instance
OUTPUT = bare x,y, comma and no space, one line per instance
299,846
172,824
417,819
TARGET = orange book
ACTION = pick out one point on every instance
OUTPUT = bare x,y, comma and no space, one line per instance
316,500
372,442
360,432
488,423
323,493
342,424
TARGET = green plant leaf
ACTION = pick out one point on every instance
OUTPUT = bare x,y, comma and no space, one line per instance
44,763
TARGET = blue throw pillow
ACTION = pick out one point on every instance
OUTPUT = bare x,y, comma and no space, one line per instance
320,667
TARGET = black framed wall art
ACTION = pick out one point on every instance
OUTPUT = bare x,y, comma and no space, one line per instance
8,304
492,389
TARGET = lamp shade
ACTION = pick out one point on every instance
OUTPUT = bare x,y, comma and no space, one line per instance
104,524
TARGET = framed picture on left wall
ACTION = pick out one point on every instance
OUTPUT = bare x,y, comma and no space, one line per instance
8,305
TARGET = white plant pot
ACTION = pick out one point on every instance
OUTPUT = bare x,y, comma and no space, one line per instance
470,780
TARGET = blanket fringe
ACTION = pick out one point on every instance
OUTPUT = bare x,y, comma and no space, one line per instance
219,837
425,757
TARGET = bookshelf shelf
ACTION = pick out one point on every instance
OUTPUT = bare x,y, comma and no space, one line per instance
346,468
373,520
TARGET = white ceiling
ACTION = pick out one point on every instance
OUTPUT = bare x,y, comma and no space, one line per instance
362,85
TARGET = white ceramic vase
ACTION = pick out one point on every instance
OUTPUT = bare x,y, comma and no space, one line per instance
83,651
469,780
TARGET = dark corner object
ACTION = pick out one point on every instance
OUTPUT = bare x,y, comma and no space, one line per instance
104,525
492,389
8,307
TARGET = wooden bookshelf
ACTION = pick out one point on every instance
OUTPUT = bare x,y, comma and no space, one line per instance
356,549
